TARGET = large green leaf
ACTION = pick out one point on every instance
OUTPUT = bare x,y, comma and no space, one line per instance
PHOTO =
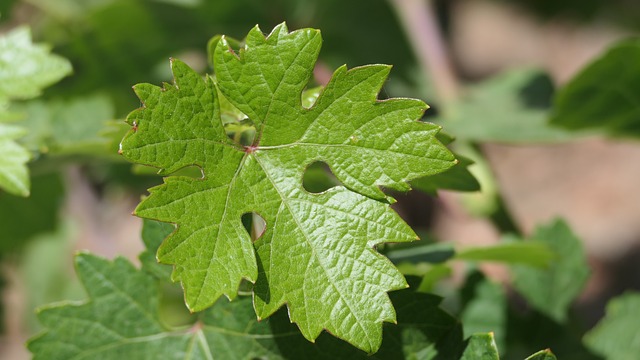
552,290
616,336
605,94
121,320
316,254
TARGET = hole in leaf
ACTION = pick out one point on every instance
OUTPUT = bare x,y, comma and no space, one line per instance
318,178
254,224
242,131
237,125
171,307
310,95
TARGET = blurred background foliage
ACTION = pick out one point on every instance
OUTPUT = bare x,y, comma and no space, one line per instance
509,61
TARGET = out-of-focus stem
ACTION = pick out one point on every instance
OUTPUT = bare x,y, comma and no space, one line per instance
421,27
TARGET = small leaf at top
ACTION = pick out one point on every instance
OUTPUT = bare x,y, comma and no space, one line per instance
316,254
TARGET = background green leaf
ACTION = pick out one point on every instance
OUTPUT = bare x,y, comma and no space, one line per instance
25,68
616,336
485,308
605,95
552,290
120,295
511,107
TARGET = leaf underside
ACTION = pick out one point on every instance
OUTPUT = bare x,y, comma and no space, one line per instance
317,252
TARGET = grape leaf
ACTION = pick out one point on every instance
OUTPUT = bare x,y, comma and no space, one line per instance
121,320
552,290
316,254
616,336
25,69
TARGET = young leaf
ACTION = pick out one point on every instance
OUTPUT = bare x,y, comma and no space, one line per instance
616,336
316,254
552,290
605,94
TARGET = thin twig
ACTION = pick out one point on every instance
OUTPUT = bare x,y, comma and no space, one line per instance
423,32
